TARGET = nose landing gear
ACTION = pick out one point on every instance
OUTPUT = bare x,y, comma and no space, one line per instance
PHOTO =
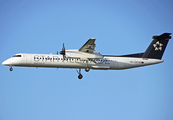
11,69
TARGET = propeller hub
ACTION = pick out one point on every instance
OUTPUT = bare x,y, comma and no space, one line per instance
62,52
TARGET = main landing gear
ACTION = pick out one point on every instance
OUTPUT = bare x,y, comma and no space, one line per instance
87,69
80,76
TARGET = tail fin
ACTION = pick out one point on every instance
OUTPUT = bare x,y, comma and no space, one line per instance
157,46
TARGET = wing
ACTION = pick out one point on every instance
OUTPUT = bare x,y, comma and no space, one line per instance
88,46
85,52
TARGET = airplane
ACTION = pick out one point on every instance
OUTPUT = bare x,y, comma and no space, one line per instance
87,58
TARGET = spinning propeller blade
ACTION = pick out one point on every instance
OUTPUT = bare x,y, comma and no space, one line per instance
63,51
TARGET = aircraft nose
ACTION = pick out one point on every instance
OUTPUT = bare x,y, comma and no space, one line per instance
6,62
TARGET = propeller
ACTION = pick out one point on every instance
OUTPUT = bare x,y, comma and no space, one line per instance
63,51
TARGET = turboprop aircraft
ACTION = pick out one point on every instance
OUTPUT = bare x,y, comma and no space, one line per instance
87,58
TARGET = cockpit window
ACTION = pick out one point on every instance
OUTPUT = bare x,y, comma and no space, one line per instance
17,56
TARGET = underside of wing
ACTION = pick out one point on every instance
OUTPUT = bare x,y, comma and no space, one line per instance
89,46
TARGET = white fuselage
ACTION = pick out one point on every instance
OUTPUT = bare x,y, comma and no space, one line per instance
57,61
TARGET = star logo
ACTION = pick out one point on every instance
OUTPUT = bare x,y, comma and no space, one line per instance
158,46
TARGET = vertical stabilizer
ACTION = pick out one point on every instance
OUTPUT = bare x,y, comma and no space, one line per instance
157,46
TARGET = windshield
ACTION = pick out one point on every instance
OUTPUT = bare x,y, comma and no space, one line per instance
17,56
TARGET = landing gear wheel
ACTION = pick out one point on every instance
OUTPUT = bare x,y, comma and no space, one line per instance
11,69
87,69
80,76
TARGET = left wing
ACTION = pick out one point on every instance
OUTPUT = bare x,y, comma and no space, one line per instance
89,46
85,52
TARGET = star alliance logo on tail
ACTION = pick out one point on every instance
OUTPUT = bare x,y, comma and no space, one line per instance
158,46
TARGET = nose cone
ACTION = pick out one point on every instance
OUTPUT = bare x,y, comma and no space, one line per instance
6,62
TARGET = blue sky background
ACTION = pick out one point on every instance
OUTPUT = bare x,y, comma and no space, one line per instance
120,27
